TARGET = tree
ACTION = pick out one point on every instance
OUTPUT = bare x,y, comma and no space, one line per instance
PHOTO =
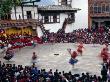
16,3
5,8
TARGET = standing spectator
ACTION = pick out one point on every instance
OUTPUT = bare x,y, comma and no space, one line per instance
104,74
108,75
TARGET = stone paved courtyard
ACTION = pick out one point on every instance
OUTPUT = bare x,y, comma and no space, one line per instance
89,62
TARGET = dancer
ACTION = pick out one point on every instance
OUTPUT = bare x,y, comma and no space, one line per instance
106,47
34,57
104,55
79,49
9,55
73,59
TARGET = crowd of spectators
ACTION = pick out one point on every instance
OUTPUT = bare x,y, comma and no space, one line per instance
86,36
14,73
9,39
18,41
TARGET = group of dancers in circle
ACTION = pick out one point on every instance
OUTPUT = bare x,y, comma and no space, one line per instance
9,55
73,54
73,60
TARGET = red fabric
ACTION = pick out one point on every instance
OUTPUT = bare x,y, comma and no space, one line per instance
79,50
74,54
20,40
28,44
104,55
37,81
80,46
38,40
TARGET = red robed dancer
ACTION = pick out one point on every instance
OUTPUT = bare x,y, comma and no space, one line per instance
73,59
106,47
79,49
104,55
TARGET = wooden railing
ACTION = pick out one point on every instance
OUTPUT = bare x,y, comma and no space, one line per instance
100,15
70,20
19,23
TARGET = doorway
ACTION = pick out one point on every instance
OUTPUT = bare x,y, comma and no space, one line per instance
29,15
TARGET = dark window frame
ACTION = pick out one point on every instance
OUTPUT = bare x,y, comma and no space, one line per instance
46,19
103,8
51,19
29,16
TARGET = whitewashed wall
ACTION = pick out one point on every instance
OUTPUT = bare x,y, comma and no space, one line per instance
33,10
81,20
56,26
39,31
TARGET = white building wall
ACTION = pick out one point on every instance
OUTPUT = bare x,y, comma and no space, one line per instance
54,27
81,20
39,31
33,10
18,12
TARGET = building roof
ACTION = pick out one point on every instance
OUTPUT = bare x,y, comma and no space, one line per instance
57,8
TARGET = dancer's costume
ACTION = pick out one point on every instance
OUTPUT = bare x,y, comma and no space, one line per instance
104,55
80,48
73,59
34,57
9,55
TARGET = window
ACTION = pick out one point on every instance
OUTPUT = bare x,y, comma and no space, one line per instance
46,19
51,19
107,8
58,18
55,18
64,2
95,8
103,8
99,9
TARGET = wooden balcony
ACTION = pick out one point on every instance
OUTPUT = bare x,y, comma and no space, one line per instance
100,15
19,23
98,1
70,20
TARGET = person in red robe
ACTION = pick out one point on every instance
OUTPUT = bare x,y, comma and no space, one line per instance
104,55
106,46
79,49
